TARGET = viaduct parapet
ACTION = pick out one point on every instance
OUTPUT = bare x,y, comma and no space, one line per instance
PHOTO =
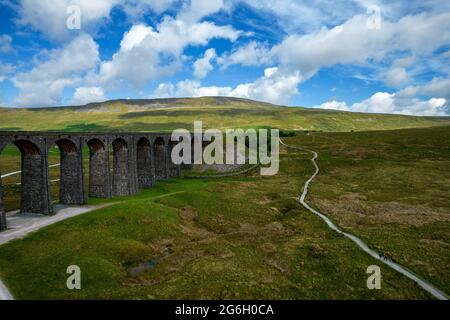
119,165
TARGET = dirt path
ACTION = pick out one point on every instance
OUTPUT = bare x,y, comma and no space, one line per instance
438,294
17,172
21,225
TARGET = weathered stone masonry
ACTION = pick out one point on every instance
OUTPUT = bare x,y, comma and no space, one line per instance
138,160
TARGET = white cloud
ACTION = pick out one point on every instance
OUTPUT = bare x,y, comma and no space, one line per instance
325,48
310,16
203,65
136,36
189,88
334,105
45,83
352,43
135,9
437,87
5,70
50,16
147,53
84,95
5,43
251,54
404,62
306,16
197,9
164,90
395,77
383,102
276,87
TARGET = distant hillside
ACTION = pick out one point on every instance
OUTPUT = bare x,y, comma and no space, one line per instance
215,112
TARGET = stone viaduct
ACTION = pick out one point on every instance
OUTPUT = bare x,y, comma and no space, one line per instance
137,161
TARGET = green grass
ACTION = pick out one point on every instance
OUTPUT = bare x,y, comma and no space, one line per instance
391,189
221,113
247,237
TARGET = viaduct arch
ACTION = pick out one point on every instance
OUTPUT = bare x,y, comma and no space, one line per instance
119,164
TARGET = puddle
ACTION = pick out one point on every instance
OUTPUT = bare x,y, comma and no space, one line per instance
150,264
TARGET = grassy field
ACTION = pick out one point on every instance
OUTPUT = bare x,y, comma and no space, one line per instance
247,237
166,115
390,188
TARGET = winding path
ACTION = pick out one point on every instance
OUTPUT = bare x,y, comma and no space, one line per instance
438,294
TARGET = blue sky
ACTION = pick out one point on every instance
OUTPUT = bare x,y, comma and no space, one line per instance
356,55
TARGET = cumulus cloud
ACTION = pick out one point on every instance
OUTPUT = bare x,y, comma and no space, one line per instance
313,42
395,77
334,105
45,83
197,9
50,16
5,43
137,8
309,16
353,43
251,54
276,86
189,88
383,102
5,70
437,87
203,65
305,16
146,53
84,95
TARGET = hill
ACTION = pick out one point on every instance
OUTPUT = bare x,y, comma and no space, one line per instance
215,112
